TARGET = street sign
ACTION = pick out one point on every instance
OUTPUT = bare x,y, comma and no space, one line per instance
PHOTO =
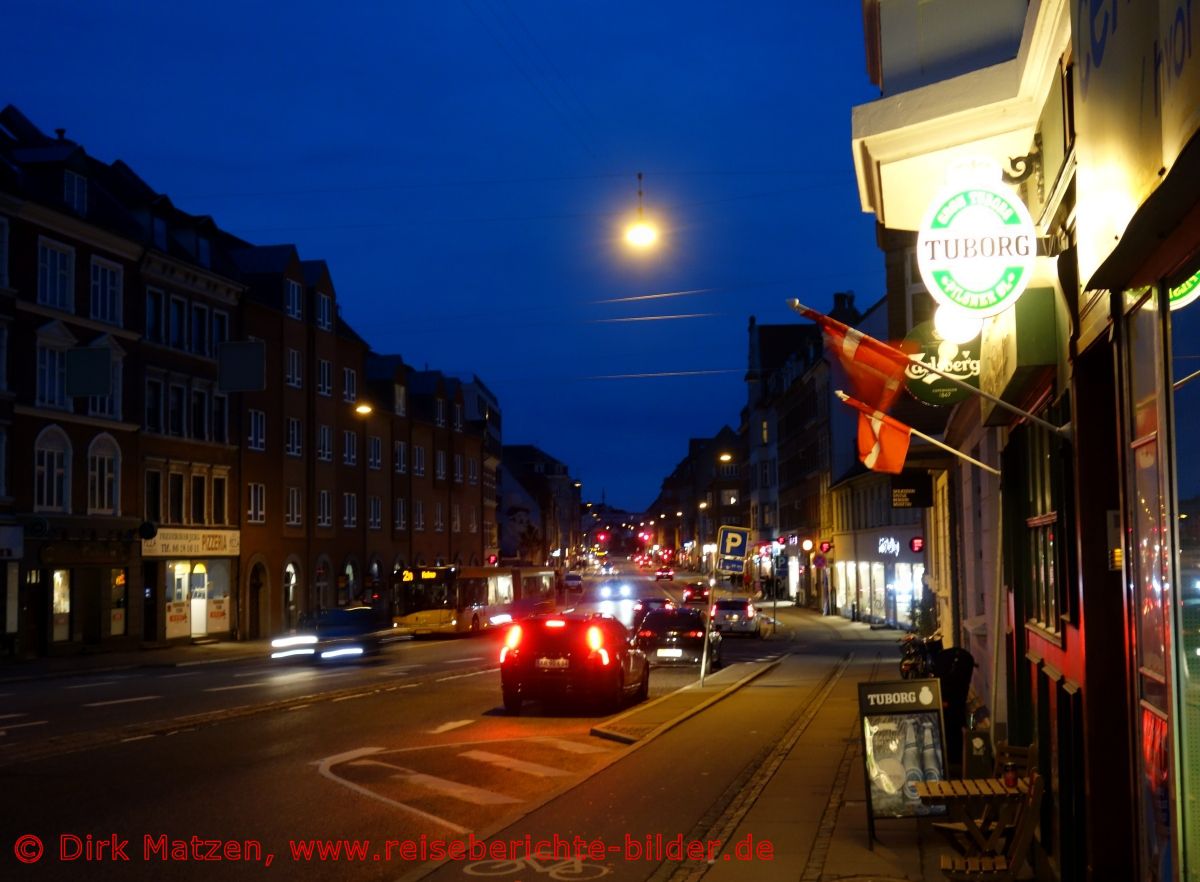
730,564
819,561
733,542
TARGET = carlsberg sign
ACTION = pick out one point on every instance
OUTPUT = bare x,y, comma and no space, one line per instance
976,248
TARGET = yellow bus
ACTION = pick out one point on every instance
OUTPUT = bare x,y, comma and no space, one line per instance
465,600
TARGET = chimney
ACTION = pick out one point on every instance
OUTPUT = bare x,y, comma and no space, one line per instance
61,133
843,307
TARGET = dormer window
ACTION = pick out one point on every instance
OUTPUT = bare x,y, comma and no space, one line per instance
75,192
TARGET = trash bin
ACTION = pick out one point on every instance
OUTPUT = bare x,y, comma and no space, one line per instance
953,667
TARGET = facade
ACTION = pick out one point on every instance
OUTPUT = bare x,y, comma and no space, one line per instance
540,506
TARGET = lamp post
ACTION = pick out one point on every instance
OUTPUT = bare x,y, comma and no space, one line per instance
363,410
807,545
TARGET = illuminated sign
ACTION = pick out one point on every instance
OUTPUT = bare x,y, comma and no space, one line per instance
976,248
916,544
889,545
1181,295
413,575
926,349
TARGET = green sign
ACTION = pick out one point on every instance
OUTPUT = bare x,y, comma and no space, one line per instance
926,349
1181,295
976,248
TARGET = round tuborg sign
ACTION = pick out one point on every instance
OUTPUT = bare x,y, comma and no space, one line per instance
976,248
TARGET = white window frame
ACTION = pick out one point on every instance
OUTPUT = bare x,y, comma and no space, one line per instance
295,437
75,191
219,319
439,464
51,388
107,291
325,378
324,312
293,516
472,470
110,405
441,412
374,452
293,299
56,283
324,508
294,370
419,515
349,447
349,385
199,317
400,399
455,518
458,468
325,443
472,520
349,509
374,513
400,457
256,507
256,439
439,522
458,417
184,340
418,465
400,513
52,470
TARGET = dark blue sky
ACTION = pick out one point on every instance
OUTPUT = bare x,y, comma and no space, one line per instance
465,166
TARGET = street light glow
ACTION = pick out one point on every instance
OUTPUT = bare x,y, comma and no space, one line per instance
363,409
641,234
725,457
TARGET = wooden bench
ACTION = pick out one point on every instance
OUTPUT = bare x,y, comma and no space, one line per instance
956,832
1002,867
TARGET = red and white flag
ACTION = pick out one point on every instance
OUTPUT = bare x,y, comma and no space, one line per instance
882,440
876,370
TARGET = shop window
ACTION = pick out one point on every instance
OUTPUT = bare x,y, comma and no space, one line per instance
60,600
118,598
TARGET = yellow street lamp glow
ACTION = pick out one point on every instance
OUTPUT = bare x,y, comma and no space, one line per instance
725,457
363,409
704,505
641,234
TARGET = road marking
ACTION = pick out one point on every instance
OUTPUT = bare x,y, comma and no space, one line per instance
5,729
185,674
325,767
461,661
238,686
400,671
514,765
472,674
453,789
257,672
10,716
122,701
90,685
351,697
137,738
569,746
446,727
297,707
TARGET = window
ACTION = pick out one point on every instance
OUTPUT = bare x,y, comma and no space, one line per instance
3,252
458,468
766,435
349,385
106,291
325,443
56,275
293,298
109,405
199,344
256,509
257,439
159,233
220,330
349,509
75,192
472,521
728,497
294,375
325,377
52,471
374,513
441,411
295,437
220,418
219,485
324,509
374,452
199,497
438,523
200,413
203,252
324,312
177,323
458,417
418,514
764,470
155,318
153,496
175,497
455,518
176,404
400,513
400,400
292,517
51,375
349,447
472,470
440,464
418,460
400,457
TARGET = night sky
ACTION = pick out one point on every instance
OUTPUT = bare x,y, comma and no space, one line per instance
466,168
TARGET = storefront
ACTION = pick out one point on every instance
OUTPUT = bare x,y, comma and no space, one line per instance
189,576
877,575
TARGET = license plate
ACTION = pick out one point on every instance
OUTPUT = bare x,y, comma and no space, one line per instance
670,653
553,663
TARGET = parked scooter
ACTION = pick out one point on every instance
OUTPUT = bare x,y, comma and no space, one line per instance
917,655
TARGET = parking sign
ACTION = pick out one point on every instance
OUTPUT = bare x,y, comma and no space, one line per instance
733,543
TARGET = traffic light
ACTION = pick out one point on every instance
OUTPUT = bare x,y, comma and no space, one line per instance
601,536
492,560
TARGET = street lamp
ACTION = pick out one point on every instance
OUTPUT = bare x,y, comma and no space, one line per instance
807,545
641,234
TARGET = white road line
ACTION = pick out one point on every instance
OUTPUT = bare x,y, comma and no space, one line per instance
446,727
5,728
472,674
122,701
137,738
462,661
257,672
325,767
10,716
350,697
90,685
297,707
443,786
514,765
569,746
185,674
238,686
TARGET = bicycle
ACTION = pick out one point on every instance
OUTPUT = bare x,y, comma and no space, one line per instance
564,870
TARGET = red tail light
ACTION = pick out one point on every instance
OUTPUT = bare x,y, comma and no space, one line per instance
511,641
645,632
595,638
695,633
749,610
712,612
555,623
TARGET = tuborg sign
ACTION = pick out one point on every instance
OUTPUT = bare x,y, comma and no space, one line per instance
976,248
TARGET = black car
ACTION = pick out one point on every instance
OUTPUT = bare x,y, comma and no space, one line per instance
676,637
342,633
555,658
695,592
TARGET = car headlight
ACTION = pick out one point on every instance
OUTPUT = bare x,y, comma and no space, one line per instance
605,591
625,592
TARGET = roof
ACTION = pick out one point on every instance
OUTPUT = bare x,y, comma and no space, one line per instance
264,259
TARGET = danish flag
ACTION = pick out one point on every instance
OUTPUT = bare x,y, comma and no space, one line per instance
882,440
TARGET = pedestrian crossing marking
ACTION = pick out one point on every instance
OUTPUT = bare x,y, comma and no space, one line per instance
569,746
454,789
514,765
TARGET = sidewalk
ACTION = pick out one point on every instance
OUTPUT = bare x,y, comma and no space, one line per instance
176,655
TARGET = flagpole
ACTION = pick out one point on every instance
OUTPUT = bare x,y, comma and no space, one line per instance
934,441
1064,431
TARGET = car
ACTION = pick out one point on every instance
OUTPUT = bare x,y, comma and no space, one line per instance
675,636
645,605
340,633
573,582
614,590
664,573
736,615
695,592
561,657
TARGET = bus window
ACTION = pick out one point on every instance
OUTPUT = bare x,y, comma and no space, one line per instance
500,588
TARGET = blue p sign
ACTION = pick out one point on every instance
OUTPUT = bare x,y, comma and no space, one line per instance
732,541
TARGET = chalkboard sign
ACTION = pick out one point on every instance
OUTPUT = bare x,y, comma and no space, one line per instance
903,742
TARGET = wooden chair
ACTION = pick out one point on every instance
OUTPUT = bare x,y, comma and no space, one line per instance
1025,758
1002,867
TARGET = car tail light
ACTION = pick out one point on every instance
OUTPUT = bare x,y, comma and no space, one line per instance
713,611
645,632
511,640
595,638
749,610
555,623
695,633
